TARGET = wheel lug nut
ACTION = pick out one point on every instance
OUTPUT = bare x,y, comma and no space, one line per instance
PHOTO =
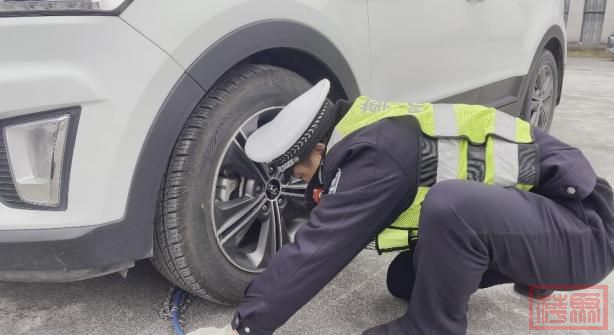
280,201
258,188
271,169
265,208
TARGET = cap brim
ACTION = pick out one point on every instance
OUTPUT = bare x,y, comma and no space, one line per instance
276,137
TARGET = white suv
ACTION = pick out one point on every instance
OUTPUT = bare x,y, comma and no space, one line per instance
123,121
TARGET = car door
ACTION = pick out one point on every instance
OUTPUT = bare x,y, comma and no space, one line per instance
513,29
427,50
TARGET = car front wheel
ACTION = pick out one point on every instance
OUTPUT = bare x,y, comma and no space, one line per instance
541,97
222,217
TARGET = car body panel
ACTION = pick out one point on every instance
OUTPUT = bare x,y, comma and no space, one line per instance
204,23
426,50
515,31
66,63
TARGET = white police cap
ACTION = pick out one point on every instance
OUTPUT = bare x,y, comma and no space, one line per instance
295,130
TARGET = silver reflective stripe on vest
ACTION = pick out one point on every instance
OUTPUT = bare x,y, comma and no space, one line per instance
444,117
505,126
506,162
447,160
335,137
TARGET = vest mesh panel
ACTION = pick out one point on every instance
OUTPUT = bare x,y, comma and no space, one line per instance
410,218
475,124
523,131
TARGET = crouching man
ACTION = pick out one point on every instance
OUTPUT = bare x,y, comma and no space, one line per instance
476,196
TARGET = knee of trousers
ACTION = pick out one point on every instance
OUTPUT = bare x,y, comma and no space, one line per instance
443,204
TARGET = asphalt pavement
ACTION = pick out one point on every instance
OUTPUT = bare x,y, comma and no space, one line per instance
357,299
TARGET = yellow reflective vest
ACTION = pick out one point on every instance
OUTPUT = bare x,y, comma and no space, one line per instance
466,142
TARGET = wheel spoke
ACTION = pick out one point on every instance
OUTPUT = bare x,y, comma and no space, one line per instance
535,115
273,236
267,243
242,137
237,215
258,256
280,227
297,186
542,78
543,117
534,104
294,190
271,244
293,225
293,195
547,89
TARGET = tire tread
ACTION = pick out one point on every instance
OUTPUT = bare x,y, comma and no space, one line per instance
169,243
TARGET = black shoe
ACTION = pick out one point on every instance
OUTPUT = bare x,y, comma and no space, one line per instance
401,275
395,327
537,293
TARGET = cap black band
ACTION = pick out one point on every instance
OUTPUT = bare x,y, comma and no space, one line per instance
319,127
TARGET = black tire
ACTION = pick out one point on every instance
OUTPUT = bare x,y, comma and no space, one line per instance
186,249
546,64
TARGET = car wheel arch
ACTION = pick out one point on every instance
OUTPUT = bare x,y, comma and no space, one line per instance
258,38
554,41
230,51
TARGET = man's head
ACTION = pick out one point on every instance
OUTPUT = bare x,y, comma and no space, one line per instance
295,138
307,168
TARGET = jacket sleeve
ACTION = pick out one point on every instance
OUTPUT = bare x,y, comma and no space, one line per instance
564,172
371,190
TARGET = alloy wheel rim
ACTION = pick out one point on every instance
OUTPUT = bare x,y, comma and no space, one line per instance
255,209
542,99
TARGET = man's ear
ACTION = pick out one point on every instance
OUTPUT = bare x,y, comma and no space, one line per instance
319,148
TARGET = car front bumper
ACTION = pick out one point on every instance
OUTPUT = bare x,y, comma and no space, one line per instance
119,80
69,254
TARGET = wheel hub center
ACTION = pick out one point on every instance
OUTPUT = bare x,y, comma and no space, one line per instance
273,189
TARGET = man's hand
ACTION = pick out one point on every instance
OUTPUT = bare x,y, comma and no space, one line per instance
214,331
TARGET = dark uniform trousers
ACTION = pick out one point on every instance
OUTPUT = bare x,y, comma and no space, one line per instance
402,275
561,233
484,235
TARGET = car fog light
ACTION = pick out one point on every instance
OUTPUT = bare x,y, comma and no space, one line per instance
35,152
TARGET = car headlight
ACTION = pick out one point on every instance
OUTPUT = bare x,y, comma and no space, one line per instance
62,7
38,151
